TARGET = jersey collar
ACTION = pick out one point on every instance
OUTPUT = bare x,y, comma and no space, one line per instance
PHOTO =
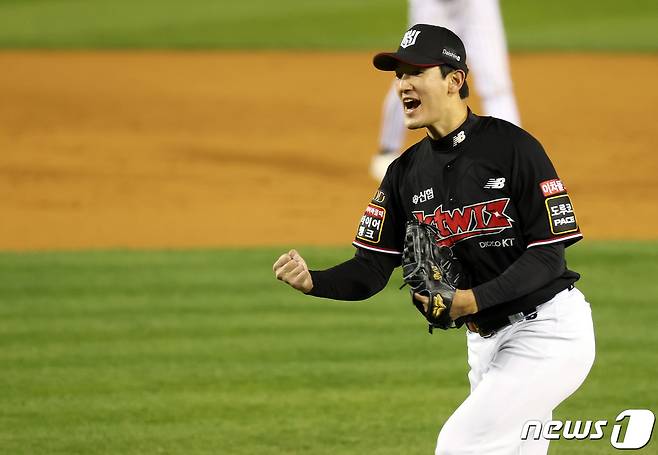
456,139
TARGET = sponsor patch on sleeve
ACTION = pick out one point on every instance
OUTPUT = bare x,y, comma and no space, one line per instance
561,214
379,197
551,187
370,227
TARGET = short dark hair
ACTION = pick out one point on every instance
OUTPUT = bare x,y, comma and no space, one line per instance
447,69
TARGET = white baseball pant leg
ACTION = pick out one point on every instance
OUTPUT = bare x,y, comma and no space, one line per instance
392,130
521,373
483,33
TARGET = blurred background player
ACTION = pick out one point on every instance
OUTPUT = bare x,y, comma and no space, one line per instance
480,24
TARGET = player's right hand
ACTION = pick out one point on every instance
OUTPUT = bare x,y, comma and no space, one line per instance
292,269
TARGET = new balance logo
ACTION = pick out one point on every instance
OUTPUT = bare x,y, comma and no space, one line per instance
495,184
459,138
409,38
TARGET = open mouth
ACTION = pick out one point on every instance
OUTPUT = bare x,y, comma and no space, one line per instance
410,104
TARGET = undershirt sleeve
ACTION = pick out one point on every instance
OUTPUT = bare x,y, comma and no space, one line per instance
532,270
356,279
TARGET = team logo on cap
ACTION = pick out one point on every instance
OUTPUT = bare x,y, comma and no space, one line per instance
409,38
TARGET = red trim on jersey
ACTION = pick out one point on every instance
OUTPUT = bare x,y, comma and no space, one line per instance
381,250
555,240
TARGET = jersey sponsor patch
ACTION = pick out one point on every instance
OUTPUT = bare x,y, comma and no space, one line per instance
501,243
379,197
370,227
551,187
423,196
561,214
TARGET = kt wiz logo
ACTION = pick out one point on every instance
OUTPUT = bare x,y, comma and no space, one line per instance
637,423
484,218
409,38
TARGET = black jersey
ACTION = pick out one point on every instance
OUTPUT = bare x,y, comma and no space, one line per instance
489,189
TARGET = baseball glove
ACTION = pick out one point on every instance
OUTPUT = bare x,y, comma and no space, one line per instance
432,271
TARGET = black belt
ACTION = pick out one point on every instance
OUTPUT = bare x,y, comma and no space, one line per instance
490,326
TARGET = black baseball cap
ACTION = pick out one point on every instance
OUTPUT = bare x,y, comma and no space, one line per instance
425,46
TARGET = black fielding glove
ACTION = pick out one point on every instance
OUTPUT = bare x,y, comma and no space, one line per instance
432,271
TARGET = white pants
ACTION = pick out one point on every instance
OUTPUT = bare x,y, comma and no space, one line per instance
521,373
480,26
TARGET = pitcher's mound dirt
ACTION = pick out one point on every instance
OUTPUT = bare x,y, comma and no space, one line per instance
213,149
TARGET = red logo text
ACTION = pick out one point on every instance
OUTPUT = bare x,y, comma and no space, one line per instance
484,218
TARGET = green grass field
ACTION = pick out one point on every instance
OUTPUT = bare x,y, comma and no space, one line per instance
301,24
204,352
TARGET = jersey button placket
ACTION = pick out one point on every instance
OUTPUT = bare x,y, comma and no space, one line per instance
448,170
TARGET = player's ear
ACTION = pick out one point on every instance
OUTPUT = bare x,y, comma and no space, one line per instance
456,80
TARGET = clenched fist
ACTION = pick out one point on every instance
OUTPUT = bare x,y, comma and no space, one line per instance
292,269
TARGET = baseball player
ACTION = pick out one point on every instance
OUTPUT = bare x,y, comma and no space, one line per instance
480,23
491,193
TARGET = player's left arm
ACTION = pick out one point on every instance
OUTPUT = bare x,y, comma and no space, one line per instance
463,303
545,209
548,225
533,269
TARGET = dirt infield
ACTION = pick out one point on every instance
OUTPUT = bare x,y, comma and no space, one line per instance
228,149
